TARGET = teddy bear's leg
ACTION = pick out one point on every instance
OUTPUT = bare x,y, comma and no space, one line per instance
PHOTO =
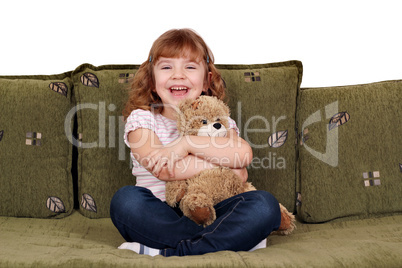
287,222
175,190
199,208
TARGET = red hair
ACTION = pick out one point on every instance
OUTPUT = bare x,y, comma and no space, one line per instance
172,44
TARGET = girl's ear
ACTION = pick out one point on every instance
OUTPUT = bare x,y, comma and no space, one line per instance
209,78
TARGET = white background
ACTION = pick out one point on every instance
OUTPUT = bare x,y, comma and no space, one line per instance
338,42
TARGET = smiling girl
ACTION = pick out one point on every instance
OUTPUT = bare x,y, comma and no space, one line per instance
181,66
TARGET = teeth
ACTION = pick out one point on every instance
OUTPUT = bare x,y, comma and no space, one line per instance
178,88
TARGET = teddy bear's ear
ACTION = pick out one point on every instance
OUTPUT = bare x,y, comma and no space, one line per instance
195,104
185,105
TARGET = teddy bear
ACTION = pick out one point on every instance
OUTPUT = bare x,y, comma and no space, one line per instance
196,196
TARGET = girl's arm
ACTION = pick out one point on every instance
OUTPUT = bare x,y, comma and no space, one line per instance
144,142
231,151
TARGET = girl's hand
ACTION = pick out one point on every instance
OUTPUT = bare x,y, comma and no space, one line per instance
166,156
242,173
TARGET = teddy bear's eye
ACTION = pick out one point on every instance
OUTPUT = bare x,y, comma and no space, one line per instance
218,119
204,121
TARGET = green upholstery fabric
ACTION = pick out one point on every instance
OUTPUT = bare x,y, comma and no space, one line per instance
35,153
351,151
77,241
262,99
104,163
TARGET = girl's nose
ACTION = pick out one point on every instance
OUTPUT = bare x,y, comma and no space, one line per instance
178,74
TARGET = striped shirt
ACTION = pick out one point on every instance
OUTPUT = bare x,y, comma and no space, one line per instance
167,132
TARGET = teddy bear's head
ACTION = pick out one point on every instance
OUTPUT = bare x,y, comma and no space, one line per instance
205,116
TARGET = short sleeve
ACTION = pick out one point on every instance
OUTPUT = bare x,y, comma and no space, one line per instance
139,119
232,125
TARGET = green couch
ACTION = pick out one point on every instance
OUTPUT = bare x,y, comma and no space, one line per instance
333,156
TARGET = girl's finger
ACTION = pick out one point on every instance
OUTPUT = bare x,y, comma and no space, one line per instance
152,157
152,163
158,166
170,167
149,164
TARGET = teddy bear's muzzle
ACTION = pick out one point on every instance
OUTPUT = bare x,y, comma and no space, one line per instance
217,125
213,130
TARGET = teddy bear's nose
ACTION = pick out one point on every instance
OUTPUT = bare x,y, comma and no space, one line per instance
217,125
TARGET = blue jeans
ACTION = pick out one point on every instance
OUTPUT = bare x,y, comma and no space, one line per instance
242,222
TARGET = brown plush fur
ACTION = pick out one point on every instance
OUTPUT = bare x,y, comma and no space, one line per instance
197,196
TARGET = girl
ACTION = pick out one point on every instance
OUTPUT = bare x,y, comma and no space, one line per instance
181,66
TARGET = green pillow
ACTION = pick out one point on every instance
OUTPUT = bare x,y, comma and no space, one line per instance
104,163
262,99
36,155
350,151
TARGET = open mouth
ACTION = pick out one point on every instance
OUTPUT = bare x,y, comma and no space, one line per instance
179,91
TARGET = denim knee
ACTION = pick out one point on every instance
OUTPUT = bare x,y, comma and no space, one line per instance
126,199
267,208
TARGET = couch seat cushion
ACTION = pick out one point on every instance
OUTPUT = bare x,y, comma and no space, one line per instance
77,241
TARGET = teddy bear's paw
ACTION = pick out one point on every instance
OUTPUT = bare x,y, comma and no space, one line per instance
199,208
203,216
288,222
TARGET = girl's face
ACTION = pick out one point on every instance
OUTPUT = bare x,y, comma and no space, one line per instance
177,79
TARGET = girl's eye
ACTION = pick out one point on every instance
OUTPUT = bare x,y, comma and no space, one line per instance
165,67
204,121
191,67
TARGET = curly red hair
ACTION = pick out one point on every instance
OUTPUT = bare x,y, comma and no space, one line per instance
172,44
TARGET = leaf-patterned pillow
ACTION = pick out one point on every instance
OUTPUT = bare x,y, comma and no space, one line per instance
350,151
263,99
36,154
104,163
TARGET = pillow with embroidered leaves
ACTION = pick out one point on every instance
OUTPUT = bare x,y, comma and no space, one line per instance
35,152
350,151
104,163
262,100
